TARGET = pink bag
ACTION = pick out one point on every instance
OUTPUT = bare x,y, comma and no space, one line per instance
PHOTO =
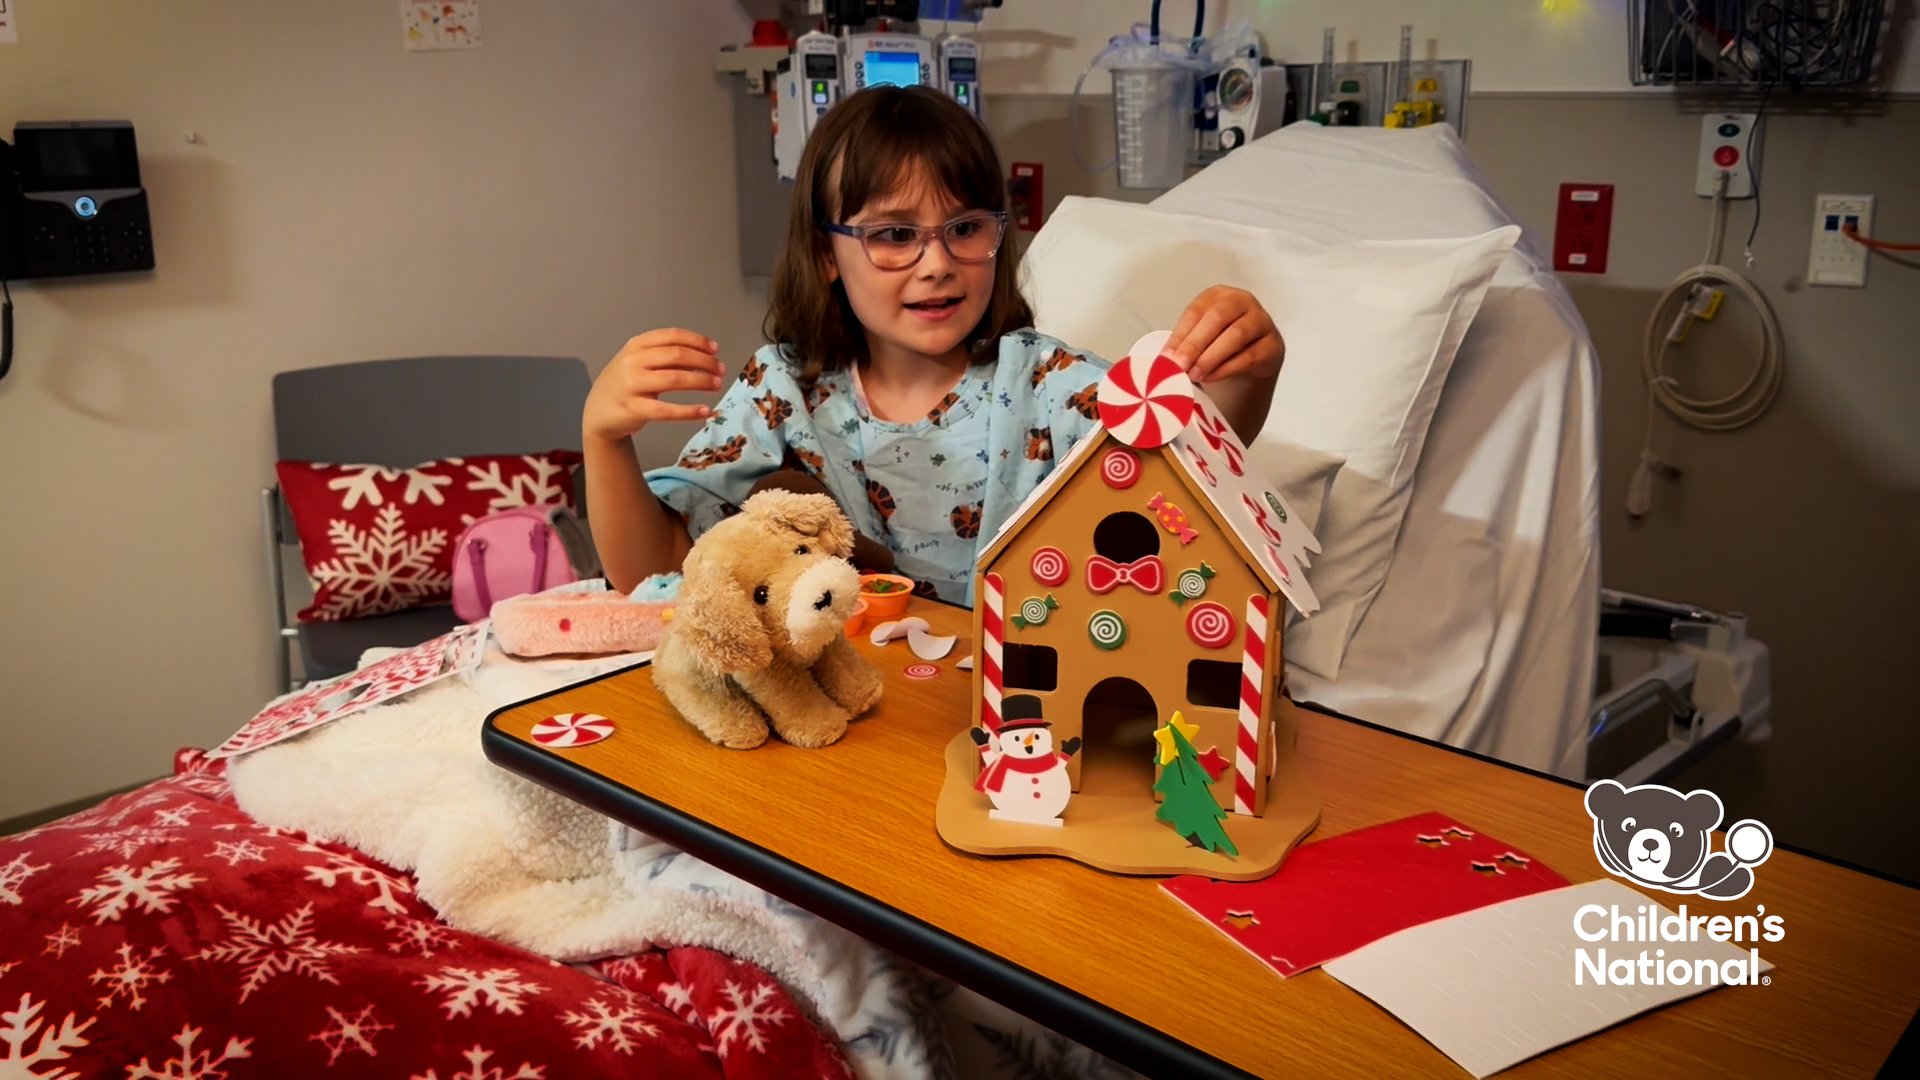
508,553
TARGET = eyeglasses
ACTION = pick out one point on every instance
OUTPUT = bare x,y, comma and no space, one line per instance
969,238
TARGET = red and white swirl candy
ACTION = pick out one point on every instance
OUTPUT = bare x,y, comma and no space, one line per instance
1050,566
1146,399
1210,625
1120,469
572,729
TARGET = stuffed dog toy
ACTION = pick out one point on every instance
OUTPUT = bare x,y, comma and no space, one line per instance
758,635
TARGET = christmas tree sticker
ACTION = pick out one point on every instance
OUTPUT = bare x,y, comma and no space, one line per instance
1185,787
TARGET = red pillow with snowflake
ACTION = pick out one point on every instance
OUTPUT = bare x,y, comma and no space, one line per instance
377,540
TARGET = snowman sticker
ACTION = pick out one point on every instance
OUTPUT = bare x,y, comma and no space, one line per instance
1023,775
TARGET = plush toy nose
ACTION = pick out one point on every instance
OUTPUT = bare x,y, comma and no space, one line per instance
1649,844
825,601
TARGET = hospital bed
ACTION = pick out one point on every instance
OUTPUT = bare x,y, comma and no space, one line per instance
1485,630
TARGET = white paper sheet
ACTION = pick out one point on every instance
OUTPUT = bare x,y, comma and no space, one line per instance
1496,986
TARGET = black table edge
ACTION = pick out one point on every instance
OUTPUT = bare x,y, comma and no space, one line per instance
1099,1027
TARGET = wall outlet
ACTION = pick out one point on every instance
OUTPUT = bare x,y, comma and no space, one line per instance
1834,259
1727,145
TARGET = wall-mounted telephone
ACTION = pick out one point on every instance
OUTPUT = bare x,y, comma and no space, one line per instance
70,204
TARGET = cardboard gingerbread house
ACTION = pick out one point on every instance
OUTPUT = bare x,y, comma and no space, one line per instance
1151,573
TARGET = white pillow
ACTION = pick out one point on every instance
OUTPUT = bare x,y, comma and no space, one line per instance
1371,330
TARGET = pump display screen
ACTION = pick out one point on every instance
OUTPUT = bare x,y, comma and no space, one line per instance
893,69
821,66
961,68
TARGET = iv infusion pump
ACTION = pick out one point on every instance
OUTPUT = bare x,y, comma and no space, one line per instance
824,68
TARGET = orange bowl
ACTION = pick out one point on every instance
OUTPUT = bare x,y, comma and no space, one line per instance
857,621
890,600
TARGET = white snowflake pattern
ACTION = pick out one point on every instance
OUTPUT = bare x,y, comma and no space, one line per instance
612,1019
131,977
8,966
125,842
477,1070
360,483
237,853
203,783
500,988
419,935
61,940
380,570
151,888
540,488
192,1064
747,1019
101,818
177,816
19,1026
344,1033
339,866
677,997
14,875
264,951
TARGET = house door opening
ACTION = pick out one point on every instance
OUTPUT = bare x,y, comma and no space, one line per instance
1116,725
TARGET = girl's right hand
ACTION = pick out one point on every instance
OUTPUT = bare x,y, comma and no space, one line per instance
626,396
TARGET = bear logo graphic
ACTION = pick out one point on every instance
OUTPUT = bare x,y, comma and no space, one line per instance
1654,835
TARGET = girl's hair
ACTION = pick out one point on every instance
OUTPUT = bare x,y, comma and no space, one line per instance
878,138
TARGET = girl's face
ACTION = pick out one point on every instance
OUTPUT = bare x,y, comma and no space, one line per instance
928,309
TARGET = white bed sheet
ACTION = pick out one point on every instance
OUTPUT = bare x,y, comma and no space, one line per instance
1485,633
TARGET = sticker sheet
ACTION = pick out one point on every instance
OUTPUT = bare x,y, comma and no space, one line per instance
455,653
1333,896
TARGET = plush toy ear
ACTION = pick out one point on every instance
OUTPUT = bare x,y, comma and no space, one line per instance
809,515
719,620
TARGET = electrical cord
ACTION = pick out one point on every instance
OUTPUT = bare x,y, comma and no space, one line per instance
1878,245
1727,413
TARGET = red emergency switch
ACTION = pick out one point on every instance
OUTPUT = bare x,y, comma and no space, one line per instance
1581,228
1726,157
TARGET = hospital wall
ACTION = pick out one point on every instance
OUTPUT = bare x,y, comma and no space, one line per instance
552,192
1808,520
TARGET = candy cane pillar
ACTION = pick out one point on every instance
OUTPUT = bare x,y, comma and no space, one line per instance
1253,663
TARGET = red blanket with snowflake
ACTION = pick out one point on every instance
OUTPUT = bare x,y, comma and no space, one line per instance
165,934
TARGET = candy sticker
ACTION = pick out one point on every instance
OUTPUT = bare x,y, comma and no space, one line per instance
1107,629
921,671
1034,611
1210,625
1192,584
1260,518
1172,518
1279,510
1120,469
1146,403
572,729
1200,463
1050,566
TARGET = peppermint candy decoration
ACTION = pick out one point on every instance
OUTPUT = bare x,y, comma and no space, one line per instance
1210,625
1107,629
921,671
1145,403
1120,469
1050,566
1034,610
1192,584
572,729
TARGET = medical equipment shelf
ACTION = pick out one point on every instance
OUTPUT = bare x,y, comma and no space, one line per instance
1748,44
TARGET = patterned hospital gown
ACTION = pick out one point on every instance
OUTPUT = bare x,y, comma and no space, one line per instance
933,490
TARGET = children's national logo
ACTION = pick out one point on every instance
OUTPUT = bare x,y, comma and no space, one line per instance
1652,835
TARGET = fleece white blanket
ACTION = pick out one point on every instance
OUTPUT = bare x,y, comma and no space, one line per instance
406,782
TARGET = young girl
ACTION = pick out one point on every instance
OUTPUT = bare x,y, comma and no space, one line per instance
904,380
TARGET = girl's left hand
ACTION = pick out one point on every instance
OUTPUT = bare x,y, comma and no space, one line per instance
1225,334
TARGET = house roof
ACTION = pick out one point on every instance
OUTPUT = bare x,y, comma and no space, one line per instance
1271,537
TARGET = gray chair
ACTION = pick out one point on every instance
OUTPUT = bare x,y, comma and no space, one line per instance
399,413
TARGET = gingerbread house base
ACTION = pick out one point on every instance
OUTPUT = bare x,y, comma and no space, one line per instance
1117,830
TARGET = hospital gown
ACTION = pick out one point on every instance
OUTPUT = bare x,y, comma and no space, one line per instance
934,490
